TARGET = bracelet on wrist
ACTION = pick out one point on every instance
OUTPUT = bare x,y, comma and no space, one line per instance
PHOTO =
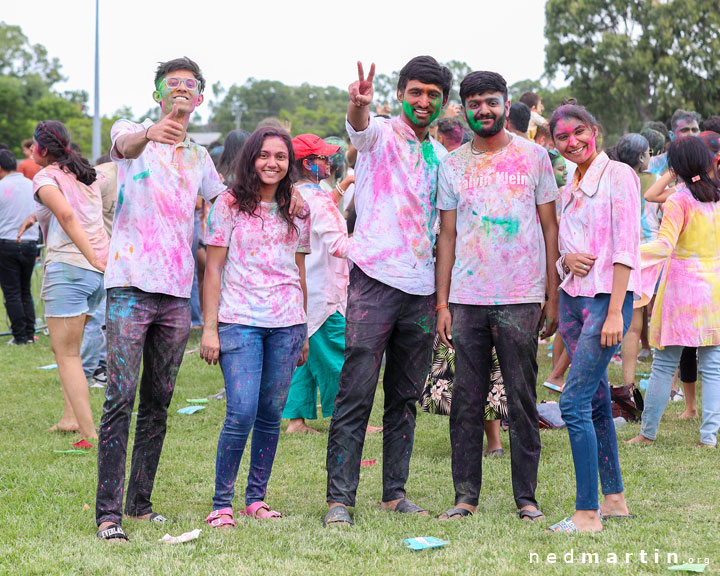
339,189
441,306
146,133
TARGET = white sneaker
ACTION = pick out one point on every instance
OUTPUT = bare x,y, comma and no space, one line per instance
677,395
92,383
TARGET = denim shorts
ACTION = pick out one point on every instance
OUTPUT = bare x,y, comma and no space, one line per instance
70,291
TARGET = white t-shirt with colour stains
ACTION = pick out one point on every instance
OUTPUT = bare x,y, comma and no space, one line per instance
260,283
395,193
151,245
500,249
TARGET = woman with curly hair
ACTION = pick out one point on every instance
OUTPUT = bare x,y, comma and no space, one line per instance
255,313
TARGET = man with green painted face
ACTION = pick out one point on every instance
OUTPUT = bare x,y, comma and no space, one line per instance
148,280
391,296
496,257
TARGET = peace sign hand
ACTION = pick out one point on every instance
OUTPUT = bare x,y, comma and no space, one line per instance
361,91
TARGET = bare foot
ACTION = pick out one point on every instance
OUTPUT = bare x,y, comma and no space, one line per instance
701,445
64,427
587,520
614,505
374,429
640,439
688,415
298,426
557,381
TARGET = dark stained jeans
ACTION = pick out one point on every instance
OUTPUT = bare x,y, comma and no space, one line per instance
379,319
513,330
154,328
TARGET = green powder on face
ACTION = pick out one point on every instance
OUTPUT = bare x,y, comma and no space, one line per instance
474,124
410,113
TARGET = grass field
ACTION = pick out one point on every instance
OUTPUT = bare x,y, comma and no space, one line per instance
47,499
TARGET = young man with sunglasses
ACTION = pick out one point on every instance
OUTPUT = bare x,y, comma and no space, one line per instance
149,277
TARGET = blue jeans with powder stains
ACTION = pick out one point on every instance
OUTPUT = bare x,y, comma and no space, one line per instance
585,400
257,364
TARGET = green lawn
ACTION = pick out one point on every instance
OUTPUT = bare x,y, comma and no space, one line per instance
47,499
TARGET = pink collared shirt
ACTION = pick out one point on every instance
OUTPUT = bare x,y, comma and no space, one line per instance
601,216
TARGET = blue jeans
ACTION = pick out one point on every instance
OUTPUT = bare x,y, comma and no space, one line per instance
585,401
257,364
658,391
93,351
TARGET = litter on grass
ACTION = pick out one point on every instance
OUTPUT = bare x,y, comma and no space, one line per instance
368,462
190,409
70,451
197,400
186,537
425,542
83,444
48,367
689,567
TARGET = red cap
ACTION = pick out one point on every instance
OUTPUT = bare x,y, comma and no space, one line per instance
310,145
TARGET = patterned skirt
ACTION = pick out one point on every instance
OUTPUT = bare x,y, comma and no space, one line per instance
437,395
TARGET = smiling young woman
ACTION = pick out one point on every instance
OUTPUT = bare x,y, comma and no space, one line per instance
255,326
599,242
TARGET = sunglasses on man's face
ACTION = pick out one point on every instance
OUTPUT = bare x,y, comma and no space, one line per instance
190,83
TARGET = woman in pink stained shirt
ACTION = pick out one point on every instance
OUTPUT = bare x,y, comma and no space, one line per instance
599,242
255,321
77,250
687,305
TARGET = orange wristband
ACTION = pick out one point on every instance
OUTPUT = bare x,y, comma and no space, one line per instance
440,306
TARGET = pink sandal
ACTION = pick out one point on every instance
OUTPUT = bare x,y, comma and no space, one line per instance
259,511
220,518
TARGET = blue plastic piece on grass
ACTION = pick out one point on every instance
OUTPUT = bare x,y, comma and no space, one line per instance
190,409
48,367
425,542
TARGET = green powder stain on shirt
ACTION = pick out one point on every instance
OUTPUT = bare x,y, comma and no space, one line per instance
121,195
509,225
142,175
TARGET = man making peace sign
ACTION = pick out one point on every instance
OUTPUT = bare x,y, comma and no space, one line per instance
391,297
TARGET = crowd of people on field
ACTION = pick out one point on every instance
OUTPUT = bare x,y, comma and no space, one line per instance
436,247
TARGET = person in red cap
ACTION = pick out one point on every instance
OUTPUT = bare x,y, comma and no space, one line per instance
327,280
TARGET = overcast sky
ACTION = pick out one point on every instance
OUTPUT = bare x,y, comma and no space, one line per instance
287,40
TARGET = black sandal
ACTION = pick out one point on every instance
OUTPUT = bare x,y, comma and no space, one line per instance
337,516
531,515
406,506
112,532
456,512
